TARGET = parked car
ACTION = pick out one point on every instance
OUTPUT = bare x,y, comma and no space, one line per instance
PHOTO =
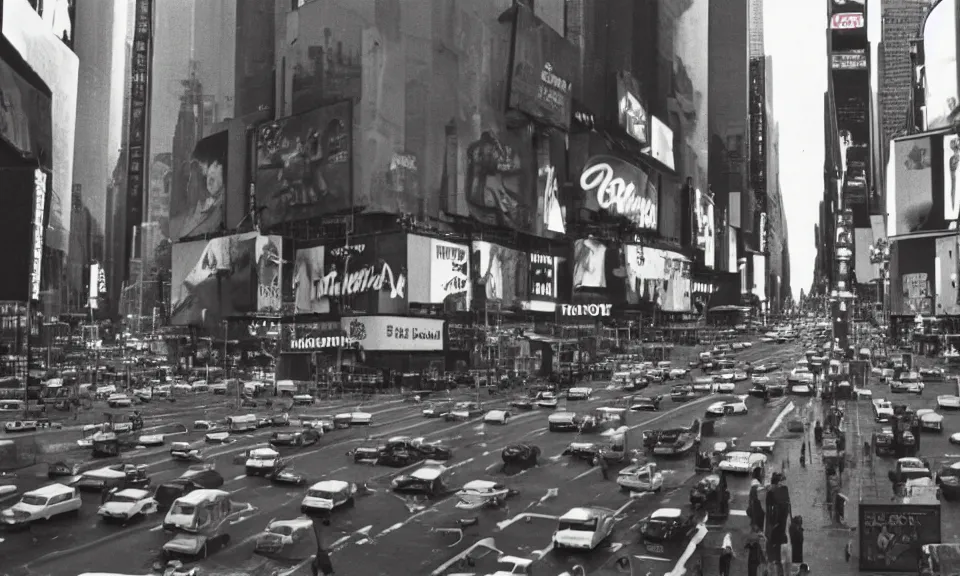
463,411
646,404
126,505
584,528
281,535
297,438
497,417
328,495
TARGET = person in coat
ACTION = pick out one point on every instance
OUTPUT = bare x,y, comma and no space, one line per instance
756,553
796,539
755,507
726,556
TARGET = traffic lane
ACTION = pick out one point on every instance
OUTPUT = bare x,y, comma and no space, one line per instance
67,534
705,554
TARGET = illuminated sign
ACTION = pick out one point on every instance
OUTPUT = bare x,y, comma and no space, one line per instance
846,21
763,232
40,200
543,277
853,60
586,309
621,188
398,333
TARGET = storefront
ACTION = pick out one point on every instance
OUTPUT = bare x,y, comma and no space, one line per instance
393,345
309,352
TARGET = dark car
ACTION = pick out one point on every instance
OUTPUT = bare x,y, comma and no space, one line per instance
711,494
194,478
119,476
522,455
667,530
682,393
523,404
297,438
646,404
404,452
287,475
280,420
66,468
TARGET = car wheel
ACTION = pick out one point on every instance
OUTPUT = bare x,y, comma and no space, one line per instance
506,419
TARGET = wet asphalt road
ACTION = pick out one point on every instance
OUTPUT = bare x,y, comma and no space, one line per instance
381,528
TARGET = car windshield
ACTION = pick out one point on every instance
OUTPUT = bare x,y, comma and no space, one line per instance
325,494
281,530
32,500
579,525
184,509
950,473
123,498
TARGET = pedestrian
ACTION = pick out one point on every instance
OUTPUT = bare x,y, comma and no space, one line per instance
796,539
604,466
726,555
818,433
803,454
756,555
839,503
755,507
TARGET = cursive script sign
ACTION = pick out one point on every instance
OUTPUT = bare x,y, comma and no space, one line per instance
621,188
366,279
846,21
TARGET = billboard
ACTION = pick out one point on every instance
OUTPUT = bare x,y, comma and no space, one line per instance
850,60
760,276
658,278
500,171
620,188
862,240
93,294
892,535
29,109
551,160
394,333
631,112
213,279
545,67
940,64
847,21
18,233
951,197
913,176
139,93
269,273
439,273
542,277
305,165
598,271
912,276
661,142
498,274
947,276
706,237
311,336
367,275
39,221
199,208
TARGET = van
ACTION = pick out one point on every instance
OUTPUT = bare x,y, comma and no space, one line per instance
42,504
199,521
245,423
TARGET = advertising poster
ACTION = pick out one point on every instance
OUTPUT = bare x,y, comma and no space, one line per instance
551,161
305,165
951,198
760,277
598,271
368,275
542,277
269,254
706,235
498,274
199,209
862,240
394,333
309,337
914,185
947,276
892,535
439,272
661,142
545,67
27,111
93,293
658,278
622,189
940,64
631,112
213,279
17,233
500,170
688,99
912,273
851,60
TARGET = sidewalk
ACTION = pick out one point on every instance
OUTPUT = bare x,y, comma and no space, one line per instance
825,541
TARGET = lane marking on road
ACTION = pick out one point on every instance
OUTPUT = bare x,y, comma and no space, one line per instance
654,558
679,569
783,414
587,473
239,477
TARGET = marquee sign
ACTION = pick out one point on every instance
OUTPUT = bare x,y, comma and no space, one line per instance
621,188
39,209
596,310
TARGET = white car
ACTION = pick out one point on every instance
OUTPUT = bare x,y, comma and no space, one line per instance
930,421
748,344
948,402
641,478
725,387
327,495
20,426
678,373
584,528
761,380
742,462
547,400
740,376
303,400
801,389
579,393
882,410
727,408
354,418
127,504
119,401
955,438
151,440
497,416
282,533
218,438
262,461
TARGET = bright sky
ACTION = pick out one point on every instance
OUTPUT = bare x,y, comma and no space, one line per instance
795,36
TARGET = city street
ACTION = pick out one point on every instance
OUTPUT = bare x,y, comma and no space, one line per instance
383,526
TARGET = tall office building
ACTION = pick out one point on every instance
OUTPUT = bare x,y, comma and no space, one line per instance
254,62
901,24
214,51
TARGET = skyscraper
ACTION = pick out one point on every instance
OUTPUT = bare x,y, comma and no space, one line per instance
214,51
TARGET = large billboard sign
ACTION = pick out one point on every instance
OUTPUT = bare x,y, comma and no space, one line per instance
913,276
947,276
658,278
622,189
394,333
199,208
305,165
706,235
39,225
269,273
366,275
498,274
598,271
852,60
439,272
914,209
847,21
631,111
940,88
213,279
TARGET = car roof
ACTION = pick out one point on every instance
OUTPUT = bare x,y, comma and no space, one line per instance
50,490
264,452
294,523
427,473
201,496
105,472
719,404
667,513
479,485
330,485
133,493
583,513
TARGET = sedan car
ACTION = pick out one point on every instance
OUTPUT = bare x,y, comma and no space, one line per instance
584,528
218,438
948,478
497,417
682,393
666,528
906,387
463,411
641,478
930,421
20,426
564,422
521,455
742,462
262,462
523,404
298,438
284,534
185,452
646,404
324,423
726,408
356,418
436,409
126,505
579,393
327,495
119,476
934,373
426,481
948,402
955,438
